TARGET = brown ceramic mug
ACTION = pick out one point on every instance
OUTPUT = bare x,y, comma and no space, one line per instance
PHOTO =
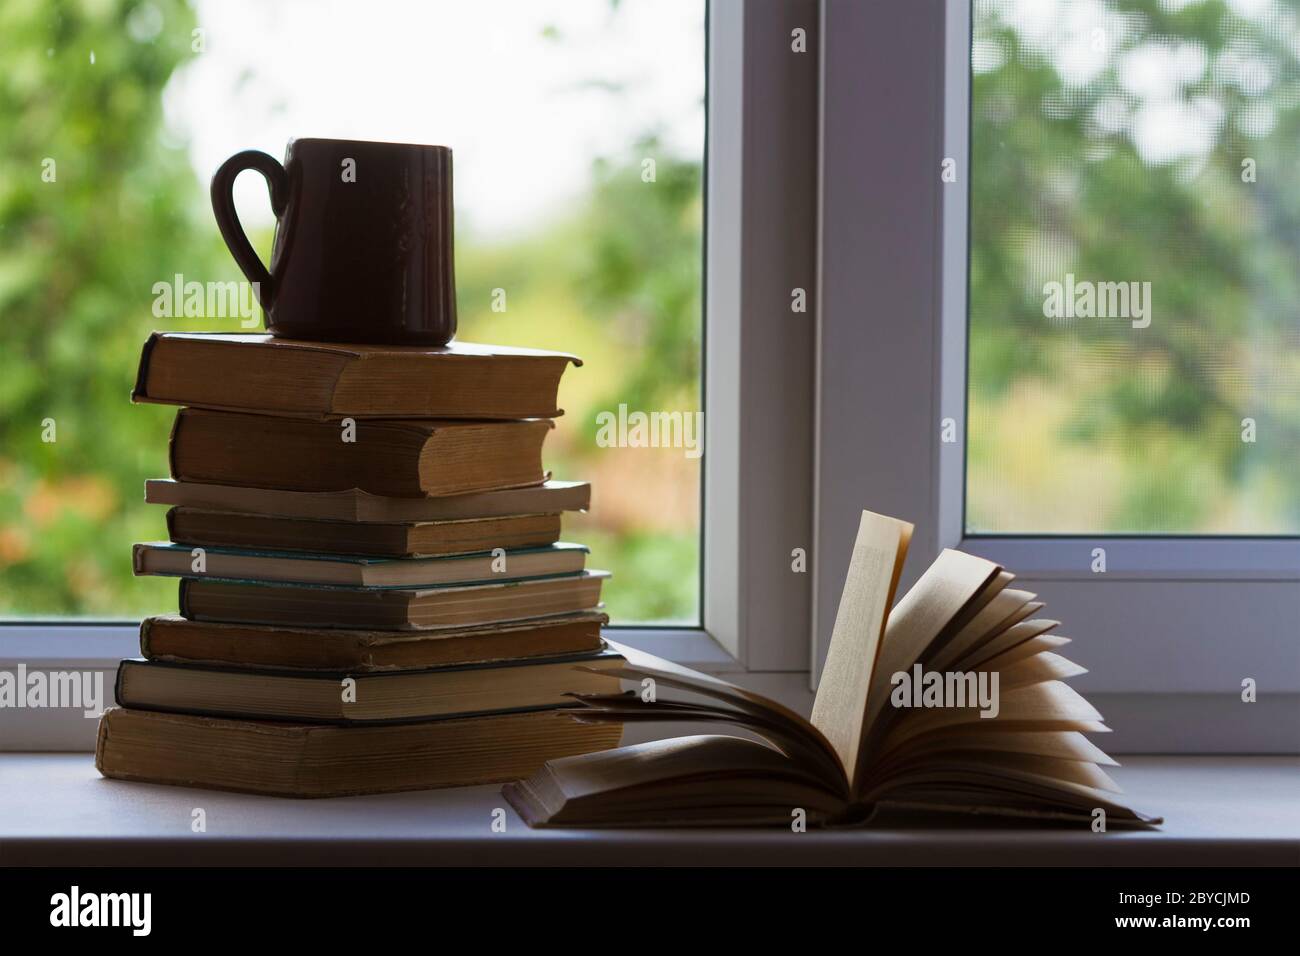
363,241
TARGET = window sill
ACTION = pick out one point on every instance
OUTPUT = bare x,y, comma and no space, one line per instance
69,644
55,809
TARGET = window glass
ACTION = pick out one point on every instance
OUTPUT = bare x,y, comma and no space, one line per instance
1134,341
578,131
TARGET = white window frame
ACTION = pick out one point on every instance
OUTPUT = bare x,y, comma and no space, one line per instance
823,173
760,245
760,196
1175,624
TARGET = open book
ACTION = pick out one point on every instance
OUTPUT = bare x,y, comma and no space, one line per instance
952,701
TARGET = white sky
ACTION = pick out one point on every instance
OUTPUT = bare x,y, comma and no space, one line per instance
524,114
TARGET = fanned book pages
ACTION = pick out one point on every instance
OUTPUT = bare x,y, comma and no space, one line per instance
954,701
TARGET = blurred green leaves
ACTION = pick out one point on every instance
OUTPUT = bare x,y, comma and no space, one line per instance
78,256
1067,177
616,278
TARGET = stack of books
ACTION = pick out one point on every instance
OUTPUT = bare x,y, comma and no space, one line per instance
373,593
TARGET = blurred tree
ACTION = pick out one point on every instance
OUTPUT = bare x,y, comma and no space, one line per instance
1085,172
617,279
643,270
95,207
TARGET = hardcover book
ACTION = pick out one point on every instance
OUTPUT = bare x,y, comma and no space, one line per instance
360,506
453,605
402,459
173,638
396,539
320,760
178,560
261,373
343,697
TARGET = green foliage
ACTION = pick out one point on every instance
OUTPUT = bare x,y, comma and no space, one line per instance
642,270
1059,185
617,280
658,575
94,208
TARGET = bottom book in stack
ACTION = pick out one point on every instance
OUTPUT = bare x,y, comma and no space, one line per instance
306,760
319,712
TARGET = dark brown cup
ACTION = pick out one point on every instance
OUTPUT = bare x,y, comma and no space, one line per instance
368,260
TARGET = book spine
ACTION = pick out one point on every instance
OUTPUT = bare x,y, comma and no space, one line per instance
332,400
101,739
183,599
171,443
146,626
555,382
171,523
140,393
119,684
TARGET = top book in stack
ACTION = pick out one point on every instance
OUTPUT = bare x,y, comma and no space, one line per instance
270,376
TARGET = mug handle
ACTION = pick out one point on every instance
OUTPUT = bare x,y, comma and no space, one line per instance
223,206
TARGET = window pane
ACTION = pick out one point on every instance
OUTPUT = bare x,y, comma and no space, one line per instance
554,110
1134,267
